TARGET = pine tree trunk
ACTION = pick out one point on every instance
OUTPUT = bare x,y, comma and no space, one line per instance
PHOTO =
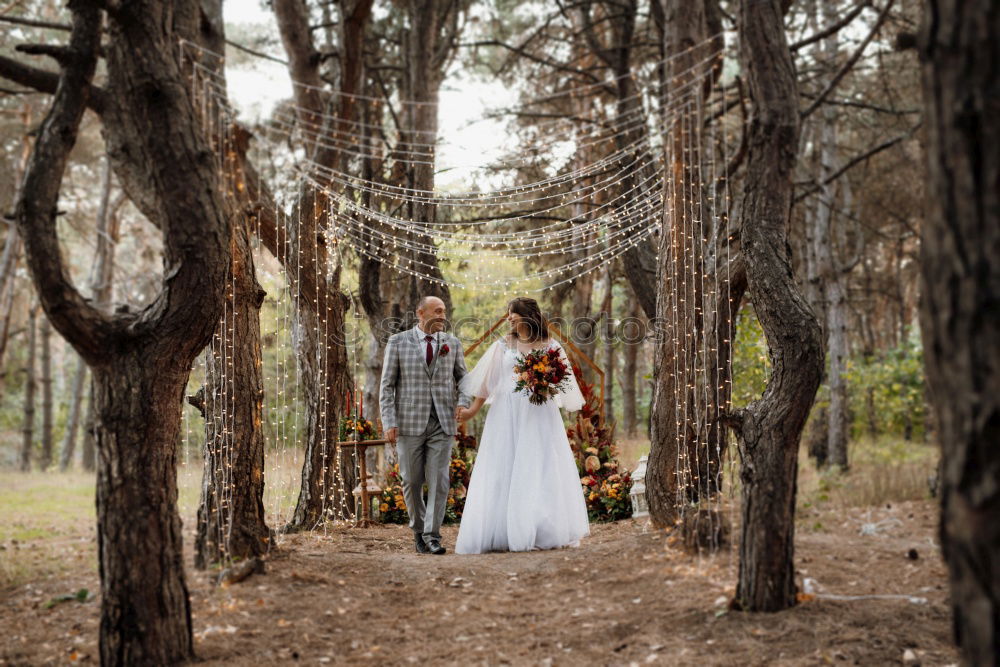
607,306
28,429
960,284
769,429
73,419
673,410
631,370
12,246
231,509
45,460
140,361
88,455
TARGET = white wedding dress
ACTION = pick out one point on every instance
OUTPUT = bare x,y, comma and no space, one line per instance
525,490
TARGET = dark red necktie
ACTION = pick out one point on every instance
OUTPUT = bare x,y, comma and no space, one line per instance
430,350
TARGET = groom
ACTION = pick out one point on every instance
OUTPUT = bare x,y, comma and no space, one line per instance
417,400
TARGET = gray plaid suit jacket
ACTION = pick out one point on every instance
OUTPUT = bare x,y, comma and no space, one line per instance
410,387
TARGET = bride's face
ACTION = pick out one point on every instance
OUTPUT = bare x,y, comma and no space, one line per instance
515,322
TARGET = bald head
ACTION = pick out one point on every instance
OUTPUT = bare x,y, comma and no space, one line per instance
431,314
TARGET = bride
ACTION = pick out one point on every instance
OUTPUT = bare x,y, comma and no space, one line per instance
525,489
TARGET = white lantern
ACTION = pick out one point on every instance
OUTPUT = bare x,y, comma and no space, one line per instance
638,493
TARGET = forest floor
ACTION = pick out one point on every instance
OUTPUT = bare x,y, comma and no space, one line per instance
626,595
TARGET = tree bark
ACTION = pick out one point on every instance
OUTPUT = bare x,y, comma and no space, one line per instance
321,353
960,282
45,333
28,429
769,429
73,418
630,371
12,244
231,522
141,361
88,455
676,420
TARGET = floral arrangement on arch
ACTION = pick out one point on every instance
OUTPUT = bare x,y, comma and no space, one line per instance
605,486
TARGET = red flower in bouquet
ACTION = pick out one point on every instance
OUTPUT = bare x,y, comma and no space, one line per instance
542,374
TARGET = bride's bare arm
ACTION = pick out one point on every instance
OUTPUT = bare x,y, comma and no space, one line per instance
465,414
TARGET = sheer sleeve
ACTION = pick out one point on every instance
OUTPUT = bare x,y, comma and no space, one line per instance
486,377
571,399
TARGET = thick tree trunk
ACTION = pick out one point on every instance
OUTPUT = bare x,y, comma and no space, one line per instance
28,429
45,333
140,362
231,509
960,311
768,431
675,457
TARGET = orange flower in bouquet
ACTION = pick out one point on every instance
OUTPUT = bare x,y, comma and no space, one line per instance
541,374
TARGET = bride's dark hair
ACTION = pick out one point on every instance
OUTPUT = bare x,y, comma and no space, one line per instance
529,311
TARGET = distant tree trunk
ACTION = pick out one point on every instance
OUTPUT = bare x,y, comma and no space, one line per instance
769,429
607,306
88,455
73,418
45,460
28,429
630,392
12,245
100,284
960,284
140,361
321,354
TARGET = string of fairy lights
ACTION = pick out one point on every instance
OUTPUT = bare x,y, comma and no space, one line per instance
599,184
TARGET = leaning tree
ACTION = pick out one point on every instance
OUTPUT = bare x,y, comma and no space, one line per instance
140,360
768,430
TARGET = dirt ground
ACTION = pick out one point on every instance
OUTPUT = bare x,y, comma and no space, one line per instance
625,596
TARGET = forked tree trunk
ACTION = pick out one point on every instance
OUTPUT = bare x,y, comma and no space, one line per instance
140,362
960,283
769,429
28,428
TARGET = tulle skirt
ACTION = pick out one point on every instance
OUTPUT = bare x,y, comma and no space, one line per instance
525,490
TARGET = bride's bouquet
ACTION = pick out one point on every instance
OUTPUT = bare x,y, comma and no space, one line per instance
542,374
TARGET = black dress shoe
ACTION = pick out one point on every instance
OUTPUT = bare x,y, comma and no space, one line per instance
418,541
434,546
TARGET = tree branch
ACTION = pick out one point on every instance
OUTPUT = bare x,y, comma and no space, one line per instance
85,327
854,161
17,20
850,61
45,81
826,32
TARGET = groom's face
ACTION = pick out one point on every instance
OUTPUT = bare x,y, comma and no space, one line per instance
432,316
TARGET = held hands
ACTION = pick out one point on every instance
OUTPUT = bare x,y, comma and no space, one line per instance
464,414
391,434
